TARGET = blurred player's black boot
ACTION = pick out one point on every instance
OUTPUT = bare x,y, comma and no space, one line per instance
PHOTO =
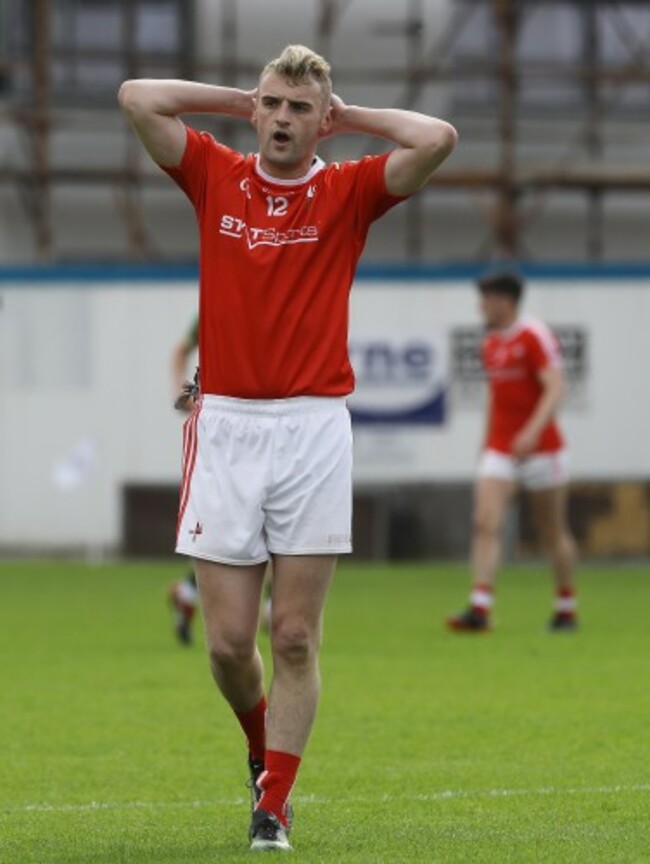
183,600
470,621
563,622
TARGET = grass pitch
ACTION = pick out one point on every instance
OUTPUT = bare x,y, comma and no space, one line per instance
518,746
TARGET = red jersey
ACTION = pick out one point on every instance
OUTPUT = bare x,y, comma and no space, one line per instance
278,259
513,359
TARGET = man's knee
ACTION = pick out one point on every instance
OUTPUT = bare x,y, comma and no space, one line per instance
294,642
230,650
562,544
486,523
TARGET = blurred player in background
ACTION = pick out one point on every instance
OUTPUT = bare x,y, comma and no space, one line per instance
268,455
182,593
523,445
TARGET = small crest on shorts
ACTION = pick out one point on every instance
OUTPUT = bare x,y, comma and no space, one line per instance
196,531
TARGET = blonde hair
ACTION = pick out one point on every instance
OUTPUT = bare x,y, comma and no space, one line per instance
301,65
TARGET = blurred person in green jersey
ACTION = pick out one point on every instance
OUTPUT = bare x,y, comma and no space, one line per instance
182,593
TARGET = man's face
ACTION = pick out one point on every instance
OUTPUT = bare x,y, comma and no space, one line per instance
289,119
497,310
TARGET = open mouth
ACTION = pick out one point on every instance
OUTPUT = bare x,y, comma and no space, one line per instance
281,137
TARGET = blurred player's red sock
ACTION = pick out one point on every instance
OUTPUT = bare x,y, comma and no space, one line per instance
254,725
481,599
566,603
276,782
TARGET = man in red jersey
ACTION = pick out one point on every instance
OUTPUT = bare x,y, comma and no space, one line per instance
268,450
523,444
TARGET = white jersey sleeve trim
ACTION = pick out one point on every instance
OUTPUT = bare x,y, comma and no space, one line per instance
544,335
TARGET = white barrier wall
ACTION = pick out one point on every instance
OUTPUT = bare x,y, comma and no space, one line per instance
85,390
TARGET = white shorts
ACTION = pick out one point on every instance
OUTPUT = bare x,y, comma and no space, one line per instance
540,471
267,476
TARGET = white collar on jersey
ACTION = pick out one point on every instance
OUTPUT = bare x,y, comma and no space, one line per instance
316,166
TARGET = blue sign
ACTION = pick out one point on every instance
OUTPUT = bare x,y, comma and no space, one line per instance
397,382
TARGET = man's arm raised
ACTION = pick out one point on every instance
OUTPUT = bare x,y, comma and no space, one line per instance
423,142
153,108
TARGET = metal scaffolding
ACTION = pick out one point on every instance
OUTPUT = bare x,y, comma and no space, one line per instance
509,191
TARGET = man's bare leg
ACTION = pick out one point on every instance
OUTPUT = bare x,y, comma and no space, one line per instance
549,508
300,586
492,496
230,599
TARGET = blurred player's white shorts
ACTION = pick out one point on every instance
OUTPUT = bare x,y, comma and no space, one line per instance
266,476
540,471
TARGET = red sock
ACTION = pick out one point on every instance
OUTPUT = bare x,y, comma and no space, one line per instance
566,602
254,725
276,782
481,599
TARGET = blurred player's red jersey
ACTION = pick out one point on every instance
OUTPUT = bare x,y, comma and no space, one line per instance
278,260
513,359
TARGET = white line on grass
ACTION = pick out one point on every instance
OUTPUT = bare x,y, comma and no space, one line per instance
444,795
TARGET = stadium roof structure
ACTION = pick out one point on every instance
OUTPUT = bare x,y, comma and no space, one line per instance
550,97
